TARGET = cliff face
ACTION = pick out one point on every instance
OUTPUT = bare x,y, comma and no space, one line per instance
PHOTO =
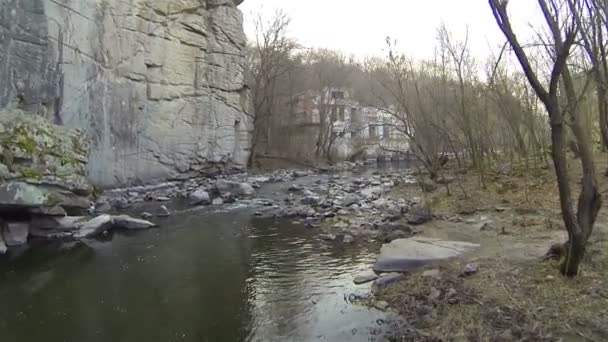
157,85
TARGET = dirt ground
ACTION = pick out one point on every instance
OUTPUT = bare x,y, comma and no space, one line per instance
516,294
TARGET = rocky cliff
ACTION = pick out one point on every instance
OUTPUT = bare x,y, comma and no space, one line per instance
156,85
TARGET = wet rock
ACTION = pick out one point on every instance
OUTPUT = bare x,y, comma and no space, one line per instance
200,196
130,223
163,212
217,201
406,254
163,199
386,280
96,226
419,215
146,215
3,247
16,233
365,277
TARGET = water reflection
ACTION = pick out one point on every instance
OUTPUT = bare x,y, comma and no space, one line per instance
204,277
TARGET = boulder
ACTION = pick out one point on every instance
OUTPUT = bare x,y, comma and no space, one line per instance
395,235
419,215
236,189
65,223
200,196
16,233
350,199
96,226
15,195
130,223
48,211
245,189
405,254
55,227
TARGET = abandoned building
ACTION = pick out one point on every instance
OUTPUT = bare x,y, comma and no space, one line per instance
331,121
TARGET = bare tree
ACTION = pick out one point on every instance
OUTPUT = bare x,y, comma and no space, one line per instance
563,110
269,60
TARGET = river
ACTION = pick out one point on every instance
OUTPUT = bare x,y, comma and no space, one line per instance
205,275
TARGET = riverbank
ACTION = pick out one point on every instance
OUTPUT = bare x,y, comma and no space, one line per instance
506,289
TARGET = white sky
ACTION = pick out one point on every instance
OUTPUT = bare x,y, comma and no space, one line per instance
360,26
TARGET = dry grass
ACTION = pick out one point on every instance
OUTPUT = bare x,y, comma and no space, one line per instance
509,299
503,302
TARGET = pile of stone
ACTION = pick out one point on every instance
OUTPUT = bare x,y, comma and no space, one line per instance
357,206
44,192
216,190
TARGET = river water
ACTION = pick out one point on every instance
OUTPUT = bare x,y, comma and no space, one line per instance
204,276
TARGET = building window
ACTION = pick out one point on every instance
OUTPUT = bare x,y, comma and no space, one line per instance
353,134
337,95
372,132
342,114
334,114
386,132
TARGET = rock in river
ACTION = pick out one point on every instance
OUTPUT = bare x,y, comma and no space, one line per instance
200,196
96,226
3,248
130,223
16,233
405,254
236,189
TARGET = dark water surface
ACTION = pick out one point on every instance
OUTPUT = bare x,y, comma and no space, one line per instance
203,276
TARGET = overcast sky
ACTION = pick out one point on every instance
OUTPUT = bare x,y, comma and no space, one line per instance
360,26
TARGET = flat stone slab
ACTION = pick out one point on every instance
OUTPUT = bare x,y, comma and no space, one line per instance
402,255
